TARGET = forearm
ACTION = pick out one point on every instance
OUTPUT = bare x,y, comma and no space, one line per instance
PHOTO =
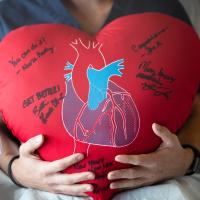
8,149
190,133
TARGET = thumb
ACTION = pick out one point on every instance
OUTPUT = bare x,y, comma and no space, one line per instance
31,145
166,136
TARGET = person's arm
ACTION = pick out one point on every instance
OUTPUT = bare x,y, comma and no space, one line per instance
168,161
32,172
8,148
190,133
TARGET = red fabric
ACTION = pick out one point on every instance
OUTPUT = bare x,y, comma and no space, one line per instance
155,81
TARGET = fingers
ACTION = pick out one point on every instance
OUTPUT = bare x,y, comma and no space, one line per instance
137,160
75,190
129,184
31,145
69,179
62,164
166,136
78,177
47,175
131,173
150,168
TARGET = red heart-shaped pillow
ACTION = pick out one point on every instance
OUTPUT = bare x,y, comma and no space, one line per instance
100,94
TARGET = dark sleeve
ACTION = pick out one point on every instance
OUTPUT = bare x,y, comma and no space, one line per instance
170,7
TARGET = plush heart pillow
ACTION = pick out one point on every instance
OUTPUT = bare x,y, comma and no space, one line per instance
100,94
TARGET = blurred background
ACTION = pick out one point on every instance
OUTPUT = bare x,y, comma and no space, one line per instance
193,9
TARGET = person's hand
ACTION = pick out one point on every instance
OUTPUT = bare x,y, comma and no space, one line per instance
29,170
168,161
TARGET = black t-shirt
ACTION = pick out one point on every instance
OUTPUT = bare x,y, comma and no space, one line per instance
16,13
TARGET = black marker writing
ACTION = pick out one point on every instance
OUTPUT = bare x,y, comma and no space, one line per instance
31,55
156,81
148,44
44,102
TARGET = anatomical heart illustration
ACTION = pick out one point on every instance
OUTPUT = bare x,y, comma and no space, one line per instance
103,113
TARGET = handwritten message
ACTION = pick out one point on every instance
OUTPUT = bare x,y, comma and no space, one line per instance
150,44
100,167
44,103
36,51
157,81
